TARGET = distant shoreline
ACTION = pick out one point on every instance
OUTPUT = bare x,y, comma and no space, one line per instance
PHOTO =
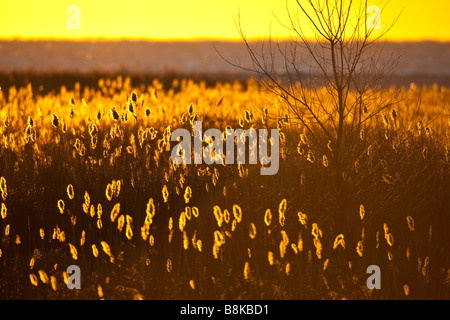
45,82
54,63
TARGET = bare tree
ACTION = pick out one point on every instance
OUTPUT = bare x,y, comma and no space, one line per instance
331,86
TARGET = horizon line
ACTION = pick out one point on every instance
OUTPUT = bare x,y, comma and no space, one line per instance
192,39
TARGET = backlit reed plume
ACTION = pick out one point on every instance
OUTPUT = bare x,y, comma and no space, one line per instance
218,215
339,240
73,251
362,212
268,217
165,193
70,192
281,212
34,279
3,211
410,222
61,206
252,231
237,213
43,276
115,212
187,194
303,218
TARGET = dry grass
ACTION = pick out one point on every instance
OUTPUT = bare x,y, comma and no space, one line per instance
89,184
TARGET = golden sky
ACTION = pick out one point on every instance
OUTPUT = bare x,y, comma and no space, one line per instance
194,19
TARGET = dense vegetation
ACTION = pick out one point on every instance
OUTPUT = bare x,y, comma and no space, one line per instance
87,180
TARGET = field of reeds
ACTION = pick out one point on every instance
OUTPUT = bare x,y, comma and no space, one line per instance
87,180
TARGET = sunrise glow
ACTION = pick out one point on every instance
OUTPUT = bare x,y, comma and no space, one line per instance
194,19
